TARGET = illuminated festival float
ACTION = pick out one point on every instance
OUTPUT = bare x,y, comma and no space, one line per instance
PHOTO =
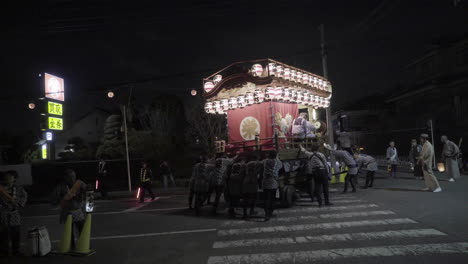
260,99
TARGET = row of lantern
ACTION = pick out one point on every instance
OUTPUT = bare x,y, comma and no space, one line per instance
280,72
287,95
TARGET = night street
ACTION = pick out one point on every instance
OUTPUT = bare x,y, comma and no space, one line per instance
393,223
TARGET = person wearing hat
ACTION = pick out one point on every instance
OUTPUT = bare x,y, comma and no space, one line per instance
12,197
425,160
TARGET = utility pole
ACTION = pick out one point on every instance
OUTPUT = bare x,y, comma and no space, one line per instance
328,109
124,110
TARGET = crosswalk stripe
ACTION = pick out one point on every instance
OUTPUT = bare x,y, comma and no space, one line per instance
291,228
343,253
336,202
328,238
330,208
309,217
334,198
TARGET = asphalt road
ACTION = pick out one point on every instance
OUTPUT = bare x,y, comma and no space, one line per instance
394,222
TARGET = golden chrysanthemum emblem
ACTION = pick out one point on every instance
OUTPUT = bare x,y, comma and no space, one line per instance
249,127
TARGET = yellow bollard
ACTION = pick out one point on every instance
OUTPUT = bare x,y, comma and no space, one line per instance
65,243
83,243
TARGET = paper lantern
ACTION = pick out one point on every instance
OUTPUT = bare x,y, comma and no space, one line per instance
257,70
279,71
232,103
293,75
259,96
241,101
217,78
441,166
299,77
286,95
217,106
208,107
271,68
293,95
225,104
249,98
305,79
208,87
287,74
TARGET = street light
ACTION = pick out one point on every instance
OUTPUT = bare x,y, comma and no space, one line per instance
110,94
193,92
31,106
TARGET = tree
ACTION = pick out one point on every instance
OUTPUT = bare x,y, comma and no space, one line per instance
203,128
77,149
112,145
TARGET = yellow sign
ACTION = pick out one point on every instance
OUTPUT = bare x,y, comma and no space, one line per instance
54,108
44,151
55,123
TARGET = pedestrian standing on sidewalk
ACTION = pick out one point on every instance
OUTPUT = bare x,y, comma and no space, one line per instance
271,168
70,195
321,172
392,159
450,154
371,166
345,157
414,153
12,197
102,177
146,174
250,186
425,159
166,173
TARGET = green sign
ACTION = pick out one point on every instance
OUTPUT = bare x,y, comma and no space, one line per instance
54,108
44,151
55,123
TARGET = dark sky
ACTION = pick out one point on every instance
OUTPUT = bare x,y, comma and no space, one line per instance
97,45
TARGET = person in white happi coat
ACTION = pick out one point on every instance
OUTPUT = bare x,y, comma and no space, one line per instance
450,157
370,165
425,160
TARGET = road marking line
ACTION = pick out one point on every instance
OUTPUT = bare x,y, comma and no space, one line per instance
329,238
334,198
150,234
329,208
333,201
309,217
343,253
292,228
140,206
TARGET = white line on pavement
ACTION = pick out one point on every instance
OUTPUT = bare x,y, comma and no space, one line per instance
309,217
336,254
334,198
329,238
336,202
140,206
292,228
329,208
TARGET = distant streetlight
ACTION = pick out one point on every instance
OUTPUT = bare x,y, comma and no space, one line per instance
193,92
110,94
31,106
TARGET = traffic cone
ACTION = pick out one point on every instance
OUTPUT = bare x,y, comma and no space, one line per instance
82,245
343,175
65,243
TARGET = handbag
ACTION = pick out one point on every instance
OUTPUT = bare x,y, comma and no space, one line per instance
39,241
